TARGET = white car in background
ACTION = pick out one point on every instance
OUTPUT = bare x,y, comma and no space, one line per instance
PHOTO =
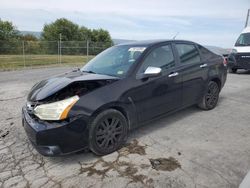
240,55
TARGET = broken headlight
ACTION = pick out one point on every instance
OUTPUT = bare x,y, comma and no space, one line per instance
57,110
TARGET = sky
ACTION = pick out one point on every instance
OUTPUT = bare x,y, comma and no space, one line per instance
208,22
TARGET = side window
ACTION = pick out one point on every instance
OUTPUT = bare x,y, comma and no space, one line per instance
188,54
206,54
161,57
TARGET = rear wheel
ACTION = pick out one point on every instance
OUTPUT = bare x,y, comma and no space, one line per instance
108,132
232,70
211,97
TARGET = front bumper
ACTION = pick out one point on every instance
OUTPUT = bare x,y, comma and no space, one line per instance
239,61
56,138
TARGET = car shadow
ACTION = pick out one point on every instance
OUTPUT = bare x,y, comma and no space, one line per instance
162,122
167,120
243,72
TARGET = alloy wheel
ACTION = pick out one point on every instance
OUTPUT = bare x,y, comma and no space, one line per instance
109,133
212,95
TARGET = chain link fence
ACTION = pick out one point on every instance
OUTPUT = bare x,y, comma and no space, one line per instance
29,54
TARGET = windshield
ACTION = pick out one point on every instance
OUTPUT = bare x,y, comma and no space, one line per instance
114,61
243,40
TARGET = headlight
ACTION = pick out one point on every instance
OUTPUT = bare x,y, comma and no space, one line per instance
56,110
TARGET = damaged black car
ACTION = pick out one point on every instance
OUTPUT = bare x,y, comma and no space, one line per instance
124,86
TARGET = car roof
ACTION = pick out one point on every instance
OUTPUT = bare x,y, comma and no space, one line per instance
151,42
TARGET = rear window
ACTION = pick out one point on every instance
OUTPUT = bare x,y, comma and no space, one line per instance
206,54
188,53
243,40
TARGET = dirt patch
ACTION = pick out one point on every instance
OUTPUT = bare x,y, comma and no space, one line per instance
123,168
92,170
130,170
145,166
133,148
141,178
165,164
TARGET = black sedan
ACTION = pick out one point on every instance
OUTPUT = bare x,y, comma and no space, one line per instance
124,86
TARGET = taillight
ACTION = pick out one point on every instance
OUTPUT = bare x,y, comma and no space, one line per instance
225,61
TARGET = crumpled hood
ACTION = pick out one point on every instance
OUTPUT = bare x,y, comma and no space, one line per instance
50,86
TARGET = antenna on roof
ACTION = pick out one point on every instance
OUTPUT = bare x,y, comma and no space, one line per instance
175,35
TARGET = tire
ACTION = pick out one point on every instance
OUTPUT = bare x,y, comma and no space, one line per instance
108,132
211,96
232,70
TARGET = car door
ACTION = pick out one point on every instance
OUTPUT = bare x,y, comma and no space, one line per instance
157,95
193,72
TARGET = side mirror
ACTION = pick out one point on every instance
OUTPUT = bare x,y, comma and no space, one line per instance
153,71
150,72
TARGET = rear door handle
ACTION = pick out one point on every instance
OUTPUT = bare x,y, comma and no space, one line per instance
203,65
173,74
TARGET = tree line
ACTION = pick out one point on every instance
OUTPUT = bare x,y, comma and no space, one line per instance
75,39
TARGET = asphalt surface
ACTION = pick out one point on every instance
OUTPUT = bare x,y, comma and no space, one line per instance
191,148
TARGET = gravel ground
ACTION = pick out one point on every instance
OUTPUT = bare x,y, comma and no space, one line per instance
191,148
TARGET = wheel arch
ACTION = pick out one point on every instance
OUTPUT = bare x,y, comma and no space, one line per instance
217,80
119,107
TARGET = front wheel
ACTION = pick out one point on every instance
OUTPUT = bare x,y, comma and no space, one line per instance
211,97
108,132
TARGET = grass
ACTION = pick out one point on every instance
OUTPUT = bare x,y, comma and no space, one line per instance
13,62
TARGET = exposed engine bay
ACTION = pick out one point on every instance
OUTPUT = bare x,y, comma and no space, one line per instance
76,88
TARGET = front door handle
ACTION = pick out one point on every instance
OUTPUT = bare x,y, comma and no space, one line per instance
203,65
173,74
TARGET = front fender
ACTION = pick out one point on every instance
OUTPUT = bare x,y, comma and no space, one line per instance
126,108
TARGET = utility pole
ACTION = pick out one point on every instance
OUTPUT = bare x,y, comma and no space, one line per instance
58,52
87,45
60,49
24,60
248,12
